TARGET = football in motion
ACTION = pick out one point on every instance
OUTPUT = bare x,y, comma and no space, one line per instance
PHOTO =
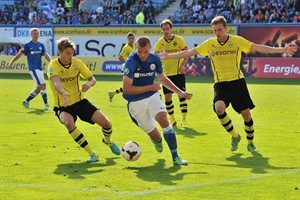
131,151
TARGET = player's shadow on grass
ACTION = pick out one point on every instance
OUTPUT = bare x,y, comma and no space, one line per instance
158,173
37,111
188,132
82,169
257,163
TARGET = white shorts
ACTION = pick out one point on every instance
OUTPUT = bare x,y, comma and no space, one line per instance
38,77
143,112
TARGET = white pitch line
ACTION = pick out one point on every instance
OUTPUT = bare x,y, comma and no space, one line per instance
130,194
24,185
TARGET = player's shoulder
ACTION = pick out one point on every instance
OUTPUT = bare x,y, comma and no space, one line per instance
154,57
159,40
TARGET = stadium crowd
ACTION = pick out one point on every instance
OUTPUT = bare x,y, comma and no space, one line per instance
108,12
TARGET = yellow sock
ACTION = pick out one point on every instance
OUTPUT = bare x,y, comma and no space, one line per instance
106,134
227,124
170,109
80,139
249,129
183,107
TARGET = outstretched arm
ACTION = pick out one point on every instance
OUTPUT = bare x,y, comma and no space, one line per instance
181,54
168,84
16,57
289,49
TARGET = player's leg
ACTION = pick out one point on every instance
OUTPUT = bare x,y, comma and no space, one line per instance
226,122
99,118
111,94
169,105
249,129
69,121
242,103
157,111
180,82
40,83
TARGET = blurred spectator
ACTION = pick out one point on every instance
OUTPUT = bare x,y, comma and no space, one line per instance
140,18
60,10
11,50
100,8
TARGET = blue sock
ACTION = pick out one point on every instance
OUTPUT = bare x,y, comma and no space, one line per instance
31,96
170,137
44,95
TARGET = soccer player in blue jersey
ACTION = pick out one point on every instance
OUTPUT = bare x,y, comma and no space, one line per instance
34,50
145,105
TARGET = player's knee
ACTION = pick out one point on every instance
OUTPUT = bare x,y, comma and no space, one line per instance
219,110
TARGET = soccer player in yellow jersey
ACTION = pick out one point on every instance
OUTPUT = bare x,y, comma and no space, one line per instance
64,73
173,68
225,52
125,52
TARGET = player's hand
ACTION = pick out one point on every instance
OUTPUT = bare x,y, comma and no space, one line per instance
163,55
290,48
155,87
65,95
85,87
185,95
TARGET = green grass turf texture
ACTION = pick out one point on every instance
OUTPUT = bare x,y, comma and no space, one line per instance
39,160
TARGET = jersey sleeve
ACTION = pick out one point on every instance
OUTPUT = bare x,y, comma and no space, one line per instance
183,44
244,44
85,72
159,69
25,49
53,69
157,46
202,48
123,52
129,68
43,48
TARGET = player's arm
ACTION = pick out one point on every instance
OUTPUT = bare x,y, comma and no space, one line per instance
47,56
289,49
168,84
90,83
121,58
128,88
56,83
16,57
181,54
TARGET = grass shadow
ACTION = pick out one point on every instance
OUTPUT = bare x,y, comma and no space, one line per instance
158,173
257,162
37,111
82,169
188,132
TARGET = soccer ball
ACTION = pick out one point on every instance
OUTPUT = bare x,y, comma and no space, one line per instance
131,151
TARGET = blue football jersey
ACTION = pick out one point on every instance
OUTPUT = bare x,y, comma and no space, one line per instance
142,73
34,53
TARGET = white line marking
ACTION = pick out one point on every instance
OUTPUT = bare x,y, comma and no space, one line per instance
130,194
122,194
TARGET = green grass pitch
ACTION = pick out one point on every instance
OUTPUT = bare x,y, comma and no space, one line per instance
39,160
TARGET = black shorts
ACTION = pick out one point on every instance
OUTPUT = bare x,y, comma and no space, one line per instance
178,80
234,92
83,109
